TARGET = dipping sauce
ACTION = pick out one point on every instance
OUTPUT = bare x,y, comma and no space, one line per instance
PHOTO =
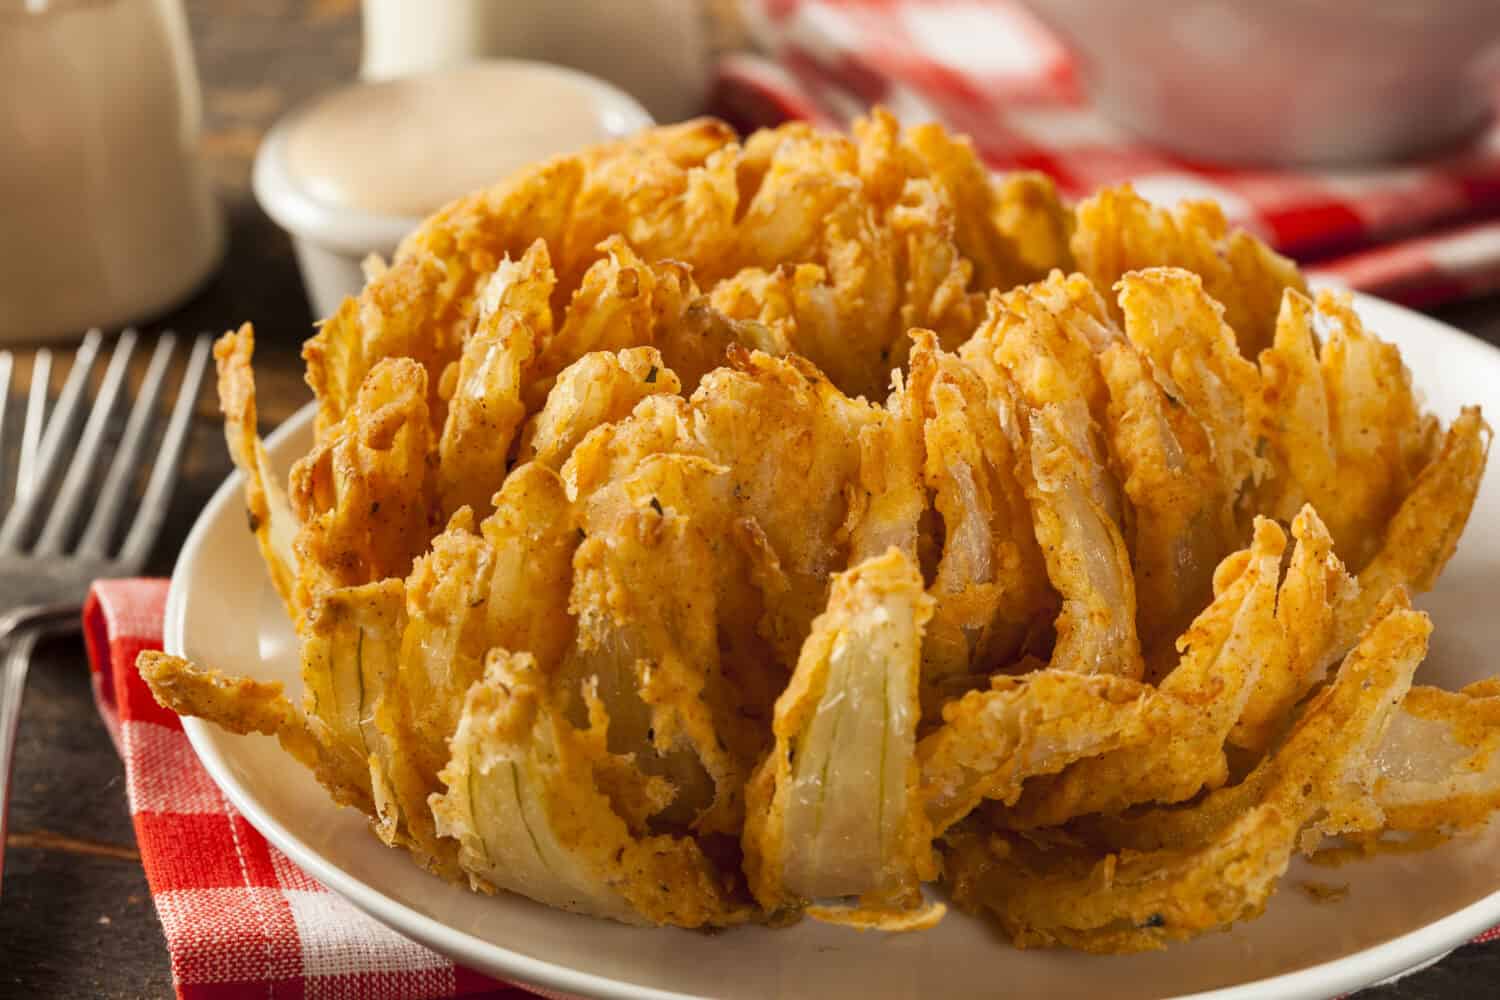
406,147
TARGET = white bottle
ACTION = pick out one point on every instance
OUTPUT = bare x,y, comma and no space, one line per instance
661,52
106,214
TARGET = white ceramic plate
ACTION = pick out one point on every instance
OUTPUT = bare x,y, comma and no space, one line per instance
1400,911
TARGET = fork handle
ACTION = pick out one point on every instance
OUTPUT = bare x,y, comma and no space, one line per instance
12,690
19,643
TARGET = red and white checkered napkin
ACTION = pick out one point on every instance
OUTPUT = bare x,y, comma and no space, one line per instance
1420,233
240,919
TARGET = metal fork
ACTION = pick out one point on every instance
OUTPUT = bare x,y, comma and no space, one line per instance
44,573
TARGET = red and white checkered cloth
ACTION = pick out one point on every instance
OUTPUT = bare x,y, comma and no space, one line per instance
241,920
1420,233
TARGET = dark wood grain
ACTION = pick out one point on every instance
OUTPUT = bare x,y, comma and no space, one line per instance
76,919
75,916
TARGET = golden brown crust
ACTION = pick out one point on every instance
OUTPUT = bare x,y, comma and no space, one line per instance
265,504
697,532
1118,231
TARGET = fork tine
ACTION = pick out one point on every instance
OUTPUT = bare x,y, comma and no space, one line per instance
36,417
54,440
111,499
86,455
153,507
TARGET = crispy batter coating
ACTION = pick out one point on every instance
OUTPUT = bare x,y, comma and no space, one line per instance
1052,893
1183,520
672,193
522,803
1117,232
1085,553
1437,768
1293,416
990,582
243,705
424,305
239,704
1315,592
597,389
357,708
991,742
1171,319
834,809
1343,426
843,246
888,501
1224,653
784,430
1045,338
485,408
648,635
266,504
625,302
505,585
1379,434
1421,537
1353,809
698,532
364,496
810,207
1014,228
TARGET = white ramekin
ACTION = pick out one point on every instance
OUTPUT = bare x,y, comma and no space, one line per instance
332,240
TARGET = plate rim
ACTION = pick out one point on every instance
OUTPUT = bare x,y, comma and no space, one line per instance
1367,967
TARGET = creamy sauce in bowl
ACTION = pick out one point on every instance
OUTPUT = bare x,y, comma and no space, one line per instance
405,147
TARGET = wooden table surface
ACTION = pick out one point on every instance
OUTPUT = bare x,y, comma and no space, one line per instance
76,919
